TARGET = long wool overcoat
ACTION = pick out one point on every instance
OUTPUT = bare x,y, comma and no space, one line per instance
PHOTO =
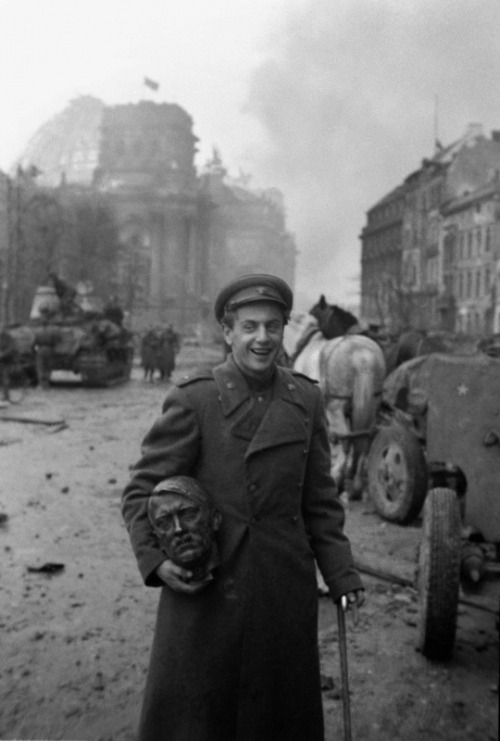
239,660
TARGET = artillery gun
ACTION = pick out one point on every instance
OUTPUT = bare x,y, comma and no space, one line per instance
89,344
438,450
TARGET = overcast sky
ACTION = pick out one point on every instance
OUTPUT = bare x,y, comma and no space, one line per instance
333,101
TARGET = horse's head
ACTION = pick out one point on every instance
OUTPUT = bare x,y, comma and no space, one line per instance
320,310
333,321
300,325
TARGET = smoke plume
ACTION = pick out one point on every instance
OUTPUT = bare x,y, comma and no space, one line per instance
348,99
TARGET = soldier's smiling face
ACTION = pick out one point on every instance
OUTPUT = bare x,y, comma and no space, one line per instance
255,337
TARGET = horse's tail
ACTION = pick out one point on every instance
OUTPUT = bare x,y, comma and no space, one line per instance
364,405
364,392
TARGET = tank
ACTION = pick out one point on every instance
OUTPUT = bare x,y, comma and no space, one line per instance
86,340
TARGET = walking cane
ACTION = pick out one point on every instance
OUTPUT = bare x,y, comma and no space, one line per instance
341,608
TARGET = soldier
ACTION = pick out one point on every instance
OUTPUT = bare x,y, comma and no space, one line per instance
7,358
65,293
113,311
47,336
236,656
167,350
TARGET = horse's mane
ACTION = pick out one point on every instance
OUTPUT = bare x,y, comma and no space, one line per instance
343,314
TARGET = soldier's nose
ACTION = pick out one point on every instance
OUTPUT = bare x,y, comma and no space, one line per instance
261,334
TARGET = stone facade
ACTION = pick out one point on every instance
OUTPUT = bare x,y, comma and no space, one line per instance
470,241
382,239
444,243
182,234
247,232
4,243
146,168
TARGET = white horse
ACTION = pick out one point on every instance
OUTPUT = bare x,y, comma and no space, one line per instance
350,370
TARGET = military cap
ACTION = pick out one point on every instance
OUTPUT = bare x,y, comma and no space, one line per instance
249,289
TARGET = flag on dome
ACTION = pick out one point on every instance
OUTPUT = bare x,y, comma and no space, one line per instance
151,83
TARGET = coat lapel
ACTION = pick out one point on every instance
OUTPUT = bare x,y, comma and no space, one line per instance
285,420
232,387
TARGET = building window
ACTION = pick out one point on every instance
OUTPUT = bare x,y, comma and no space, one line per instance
478,283
460,285
487,279
478,241
469,284
469,244
487,239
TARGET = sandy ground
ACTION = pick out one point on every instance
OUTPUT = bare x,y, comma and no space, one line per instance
75,643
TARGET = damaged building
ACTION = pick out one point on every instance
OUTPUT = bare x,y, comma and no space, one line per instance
431,247
182,233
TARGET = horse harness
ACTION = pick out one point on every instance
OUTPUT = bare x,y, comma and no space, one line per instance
335,437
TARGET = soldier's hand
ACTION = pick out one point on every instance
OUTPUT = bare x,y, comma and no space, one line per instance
179,579
351,601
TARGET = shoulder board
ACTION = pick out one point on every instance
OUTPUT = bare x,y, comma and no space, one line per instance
303,375
187,380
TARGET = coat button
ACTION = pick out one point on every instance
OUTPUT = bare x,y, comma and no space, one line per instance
291,387
252,487
231,385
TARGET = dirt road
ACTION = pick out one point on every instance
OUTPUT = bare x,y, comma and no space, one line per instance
75,642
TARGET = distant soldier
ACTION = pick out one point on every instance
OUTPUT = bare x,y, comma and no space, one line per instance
7,358
168,349
47,336
65,293
150,344
113,311
173,338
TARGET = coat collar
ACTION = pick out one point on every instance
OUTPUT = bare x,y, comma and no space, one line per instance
233,388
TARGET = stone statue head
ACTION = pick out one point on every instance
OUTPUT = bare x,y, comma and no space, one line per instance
185,521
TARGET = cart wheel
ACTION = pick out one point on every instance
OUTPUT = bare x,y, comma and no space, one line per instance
397,474
438,574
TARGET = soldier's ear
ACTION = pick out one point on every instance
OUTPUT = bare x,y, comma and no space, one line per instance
227,333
